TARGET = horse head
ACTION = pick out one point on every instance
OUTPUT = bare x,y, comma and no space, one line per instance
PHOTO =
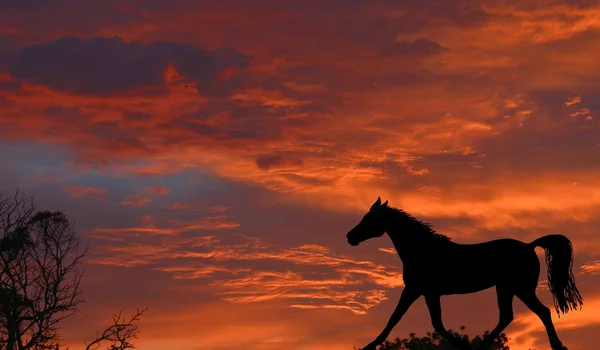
371,226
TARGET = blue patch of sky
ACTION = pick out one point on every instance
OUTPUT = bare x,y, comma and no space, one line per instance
33,157
26,159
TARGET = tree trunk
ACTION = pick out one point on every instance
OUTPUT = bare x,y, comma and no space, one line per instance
12,342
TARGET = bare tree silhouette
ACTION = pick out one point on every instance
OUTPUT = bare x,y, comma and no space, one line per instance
40,279
120,335
39,273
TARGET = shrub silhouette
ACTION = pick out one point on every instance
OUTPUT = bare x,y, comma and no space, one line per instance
435,341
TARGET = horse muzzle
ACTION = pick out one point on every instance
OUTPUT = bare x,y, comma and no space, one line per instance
353,242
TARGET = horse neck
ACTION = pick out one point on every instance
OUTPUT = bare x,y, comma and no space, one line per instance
411,239
407,244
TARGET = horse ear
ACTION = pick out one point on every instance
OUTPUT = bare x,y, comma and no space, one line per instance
385,204
377,204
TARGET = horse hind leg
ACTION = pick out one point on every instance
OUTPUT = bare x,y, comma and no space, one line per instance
536,306
435,311
505,306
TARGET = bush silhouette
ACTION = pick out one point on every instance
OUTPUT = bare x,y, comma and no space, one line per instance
434,341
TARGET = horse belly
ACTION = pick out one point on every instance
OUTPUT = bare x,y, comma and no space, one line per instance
471,287
462,284
458,276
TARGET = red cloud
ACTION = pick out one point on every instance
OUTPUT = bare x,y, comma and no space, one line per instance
83,191
136,201
158,190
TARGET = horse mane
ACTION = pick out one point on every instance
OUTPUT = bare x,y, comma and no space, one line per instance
424,227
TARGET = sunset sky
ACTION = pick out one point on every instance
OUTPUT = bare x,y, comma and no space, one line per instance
214,153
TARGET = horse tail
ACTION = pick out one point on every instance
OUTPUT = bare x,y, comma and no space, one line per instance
559,257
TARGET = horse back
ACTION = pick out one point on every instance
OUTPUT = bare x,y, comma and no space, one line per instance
468,268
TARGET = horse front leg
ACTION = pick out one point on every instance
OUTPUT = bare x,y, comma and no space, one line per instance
407,297
435,311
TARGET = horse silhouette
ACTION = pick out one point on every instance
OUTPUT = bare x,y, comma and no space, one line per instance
435,266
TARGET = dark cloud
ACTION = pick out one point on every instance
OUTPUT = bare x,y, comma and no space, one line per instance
107,65
419,14
11,85
8,44
418,47
237,123
37,20
276,161
136,116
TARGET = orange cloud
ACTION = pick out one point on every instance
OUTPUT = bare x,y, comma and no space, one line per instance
176,227
573,101
592,267
387,250
584,112
528,322
206,257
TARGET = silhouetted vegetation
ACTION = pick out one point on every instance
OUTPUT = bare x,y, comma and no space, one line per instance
435,341
120,335
40,279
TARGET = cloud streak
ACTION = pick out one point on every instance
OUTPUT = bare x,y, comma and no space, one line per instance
310,276
84,191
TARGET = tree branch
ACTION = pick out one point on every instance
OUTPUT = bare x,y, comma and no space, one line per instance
120,334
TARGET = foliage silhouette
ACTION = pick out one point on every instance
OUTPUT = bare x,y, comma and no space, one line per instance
431,261
40,278
435,341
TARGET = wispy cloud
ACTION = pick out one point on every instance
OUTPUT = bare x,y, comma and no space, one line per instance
136,201
527,323
176,227
158,190
592,267
85,191
387,250
573,101
310,275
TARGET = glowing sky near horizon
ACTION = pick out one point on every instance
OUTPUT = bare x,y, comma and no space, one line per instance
215,153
